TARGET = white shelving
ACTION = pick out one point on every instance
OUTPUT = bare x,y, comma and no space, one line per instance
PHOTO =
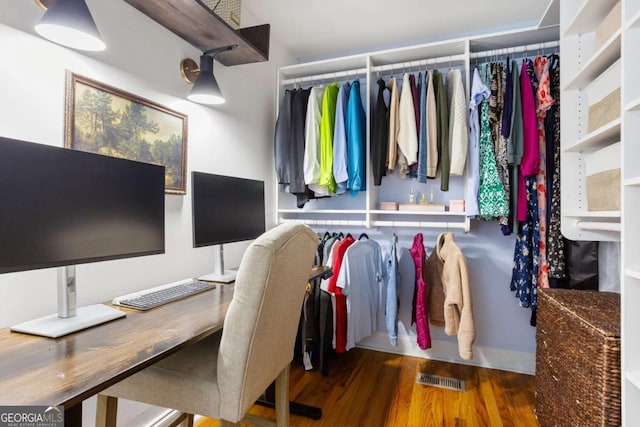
590,72
630,197
362,210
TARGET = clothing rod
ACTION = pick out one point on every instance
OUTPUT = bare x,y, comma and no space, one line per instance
419,63
598,226
333,75
516,49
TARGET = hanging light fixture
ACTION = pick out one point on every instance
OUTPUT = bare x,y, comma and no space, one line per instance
69,23
205,89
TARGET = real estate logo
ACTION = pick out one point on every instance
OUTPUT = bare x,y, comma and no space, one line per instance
32,416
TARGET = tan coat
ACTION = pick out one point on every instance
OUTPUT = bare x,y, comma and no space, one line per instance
450,294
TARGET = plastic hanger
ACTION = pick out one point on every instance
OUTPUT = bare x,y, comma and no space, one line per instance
365,235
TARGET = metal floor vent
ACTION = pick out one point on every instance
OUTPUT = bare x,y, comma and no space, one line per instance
441,382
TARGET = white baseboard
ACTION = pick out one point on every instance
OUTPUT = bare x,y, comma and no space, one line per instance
485,357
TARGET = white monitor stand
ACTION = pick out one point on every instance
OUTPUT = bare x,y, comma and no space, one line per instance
219,273
69,319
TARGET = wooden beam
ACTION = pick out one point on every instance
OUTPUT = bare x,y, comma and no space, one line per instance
197,24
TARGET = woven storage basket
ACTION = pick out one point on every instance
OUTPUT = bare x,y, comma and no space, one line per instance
578,358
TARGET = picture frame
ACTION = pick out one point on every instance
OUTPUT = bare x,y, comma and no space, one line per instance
103,119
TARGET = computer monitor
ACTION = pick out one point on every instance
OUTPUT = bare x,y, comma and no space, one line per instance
62,207
225,209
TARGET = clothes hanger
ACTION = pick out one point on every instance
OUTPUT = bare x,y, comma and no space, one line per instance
365,235
340,235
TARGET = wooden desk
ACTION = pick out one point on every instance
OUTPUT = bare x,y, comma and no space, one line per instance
70,369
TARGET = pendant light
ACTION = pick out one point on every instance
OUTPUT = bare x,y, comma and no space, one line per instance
205,89
69,23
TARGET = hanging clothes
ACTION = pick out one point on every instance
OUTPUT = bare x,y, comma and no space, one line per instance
515,146
479,91
379,136
407,134
392,303
359,279
339,164
356,140
545,101
340,322
450,293
500,144
394,124
421,173
431,116
555,241
312,153
289,139
419,256
442,108
496,102
327,125
492,201
458,129
530,161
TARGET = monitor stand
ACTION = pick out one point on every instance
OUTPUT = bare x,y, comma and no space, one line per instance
219,274
69,319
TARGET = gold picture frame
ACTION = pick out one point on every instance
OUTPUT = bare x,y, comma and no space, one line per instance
103,119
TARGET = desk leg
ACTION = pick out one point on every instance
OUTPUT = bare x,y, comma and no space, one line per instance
296,408
73,416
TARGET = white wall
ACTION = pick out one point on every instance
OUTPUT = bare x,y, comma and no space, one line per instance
143,58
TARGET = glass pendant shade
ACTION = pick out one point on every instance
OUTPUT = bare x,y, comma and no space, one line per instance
69,23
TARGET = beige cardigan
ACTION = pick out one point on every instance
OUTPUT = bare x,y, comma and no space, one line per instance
449,293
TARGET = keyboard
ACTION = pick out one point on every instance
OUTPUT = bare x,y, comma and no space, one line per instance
154,297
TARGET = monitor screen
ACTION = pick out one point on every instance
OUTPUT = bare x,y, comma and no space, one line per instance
226,209
64,207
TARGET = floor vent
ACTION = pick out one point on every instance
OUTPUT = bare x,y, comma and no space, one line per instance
441,382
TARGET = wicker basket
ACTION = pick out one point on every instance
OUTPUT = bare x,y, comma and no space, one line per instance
578,358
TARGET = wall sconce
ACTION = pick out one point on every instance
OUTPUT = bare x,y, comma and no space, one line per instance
69,23
205,89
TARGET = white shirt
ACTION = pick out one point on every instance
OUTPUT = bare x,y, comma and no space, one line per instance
458,131
407,134
311,163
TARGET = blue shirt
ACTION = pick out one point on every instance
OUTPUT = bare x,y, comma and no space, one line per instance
355,124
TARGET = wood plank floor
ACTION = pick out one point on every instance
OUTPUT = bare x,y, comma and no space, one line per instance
370,388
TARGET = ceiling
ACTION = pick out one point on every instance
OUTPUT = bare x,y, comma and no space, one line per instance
316,29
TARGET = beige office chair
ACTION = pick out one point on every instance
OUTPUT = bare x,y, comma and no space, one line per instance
223,375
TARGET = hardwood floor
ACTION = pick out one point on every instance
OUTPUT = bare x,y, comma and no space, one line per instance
372,389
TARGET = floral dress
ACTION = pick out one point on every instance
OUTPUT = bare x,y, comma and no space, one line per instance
492,199
544,103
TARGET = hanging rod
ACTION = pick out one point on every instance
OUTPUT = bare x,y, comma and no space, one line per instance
419,63
357,72
516,49
329,222
598,226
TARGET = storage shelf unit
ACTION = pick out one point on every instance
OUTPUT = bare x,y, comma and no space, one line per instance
589,72
630,234
363,210
582,19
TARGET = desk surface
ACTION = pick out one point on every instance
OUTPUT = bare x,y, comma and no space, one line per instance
67,370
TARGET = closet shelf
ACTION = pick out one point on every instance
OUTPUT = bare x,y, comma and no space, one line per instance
323,211
599,138
419,213
634,378
632,182
599,226
592,214
633,105
634,22
633,272
588,16
600,61
465,226
197,24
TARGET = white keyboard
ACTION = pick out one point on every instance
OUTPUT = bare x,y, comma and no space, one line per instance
160,295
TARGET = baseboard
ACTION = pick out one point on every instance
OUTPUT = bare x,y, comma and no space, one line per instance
485,357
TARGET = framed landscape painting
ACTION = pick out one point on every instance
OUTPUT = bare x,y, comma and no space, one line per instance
105,120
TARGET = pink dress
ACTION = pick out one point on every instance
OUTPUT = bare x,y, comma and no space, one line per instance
531,154
545,101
